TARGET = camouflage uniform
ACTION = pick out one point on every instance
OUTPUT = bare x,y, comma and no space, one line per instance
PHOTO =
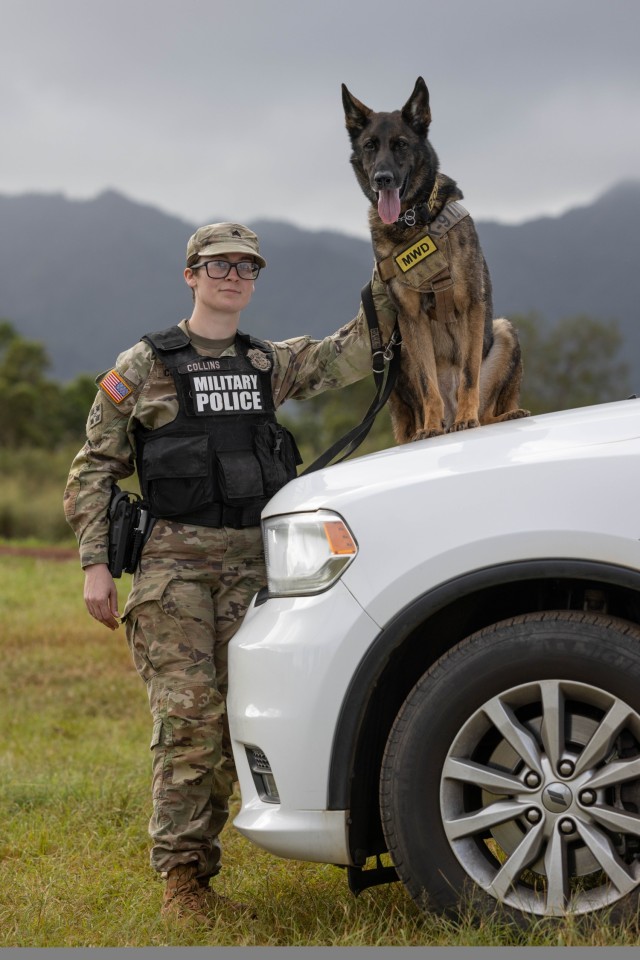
194,583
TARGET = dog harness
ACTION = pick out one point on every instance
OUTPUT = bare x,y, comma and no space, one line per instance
424,264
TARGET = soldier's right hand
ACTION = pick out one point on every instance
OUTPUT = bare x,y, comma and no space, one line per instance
101,595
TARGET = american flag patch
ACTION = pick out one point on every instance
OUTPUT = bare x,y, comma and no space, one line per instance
115,387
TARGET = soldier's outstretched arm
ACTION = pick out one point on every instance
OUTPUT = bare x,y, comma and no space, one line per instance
305,367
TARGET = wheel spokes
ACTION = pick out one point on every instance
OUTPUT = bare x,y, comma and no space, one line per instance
615,773
525,854
602,849
618,820
494,781
483,819
516,735
553,724
556,869
531,781
605,733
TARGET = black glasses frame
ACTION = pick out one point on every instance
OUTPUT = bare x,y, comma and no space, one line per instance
253,274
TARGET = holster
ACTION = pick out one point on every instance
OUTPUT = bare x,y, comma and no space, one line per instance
130,524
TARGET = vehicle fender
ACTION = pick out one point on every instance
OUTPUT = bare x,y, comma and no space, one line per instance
372,666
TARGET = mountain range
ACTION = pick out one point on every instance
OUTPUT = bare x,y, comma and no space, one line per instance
88,277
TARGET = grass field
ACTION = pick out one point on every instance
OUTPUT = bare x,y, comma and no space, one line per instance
74,806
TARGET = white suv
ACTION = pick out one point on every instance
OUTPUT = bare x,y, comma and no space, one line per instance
446,667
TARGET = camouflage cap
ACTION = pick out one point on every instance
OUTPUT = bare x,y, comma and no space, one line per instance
218,238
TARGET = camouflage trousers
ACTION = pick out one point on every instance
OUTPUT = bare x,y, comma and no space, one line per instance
188,598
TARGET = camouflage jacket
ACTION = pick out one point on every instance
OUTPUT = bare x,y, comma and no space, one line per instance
139,390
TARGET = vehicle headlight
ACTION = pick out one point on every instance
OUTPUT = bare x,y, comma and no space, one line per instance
306,552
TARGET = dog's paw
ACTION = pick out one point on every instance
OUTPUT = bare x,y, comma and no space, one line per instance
463,425
514,414
426,434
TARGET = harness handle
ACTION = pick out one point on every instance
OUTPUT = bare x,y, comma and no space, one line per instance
384,360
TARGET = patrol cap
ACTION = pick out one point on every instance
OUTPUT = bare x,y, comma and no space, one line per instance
217,238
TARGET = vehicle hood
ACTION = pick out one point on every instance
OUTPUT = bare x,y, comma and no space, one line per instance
547,437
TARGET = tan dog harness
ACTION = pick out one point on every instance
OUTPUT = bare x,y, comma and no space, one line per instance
424,264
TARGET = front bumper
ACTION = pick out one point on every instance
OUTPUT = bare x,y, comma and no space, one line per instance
289,669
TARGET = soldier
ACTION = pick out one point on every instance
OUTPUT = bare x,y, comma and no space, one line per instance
192,408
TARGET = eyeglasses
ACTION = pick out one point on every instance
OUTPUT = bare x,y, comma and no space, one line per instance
219,269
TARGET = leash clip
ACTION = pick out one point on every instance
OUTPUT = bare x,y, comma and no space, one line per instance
386,356
395,340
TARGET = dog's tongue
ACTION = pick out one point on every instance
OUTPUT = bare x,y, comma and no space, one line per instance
389,205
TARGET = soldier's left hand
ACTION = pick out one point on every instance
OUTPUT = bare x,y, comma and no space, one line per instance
101,595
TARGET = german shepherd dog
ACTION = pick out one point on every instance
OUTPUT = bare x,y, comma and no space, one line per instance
460,368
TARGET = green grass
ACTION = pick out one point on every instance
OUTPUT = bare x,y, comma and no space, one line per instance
74,807
33,483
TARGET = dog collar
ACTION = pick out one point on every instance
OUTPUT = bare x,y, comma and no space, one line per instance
421,212
412,216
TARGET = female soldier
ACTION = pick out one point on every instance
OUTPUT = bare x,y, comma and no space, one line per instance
192,408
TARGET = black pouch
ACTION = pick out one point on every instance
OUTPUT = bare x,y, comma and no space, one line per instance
239,476
278,455
130,524
179,475
292,456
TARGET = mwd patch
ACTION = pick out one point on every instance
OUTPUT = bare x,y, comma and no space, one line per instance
417,252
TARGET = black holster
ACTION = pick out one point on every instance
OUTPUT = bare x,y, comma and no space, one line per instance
130,524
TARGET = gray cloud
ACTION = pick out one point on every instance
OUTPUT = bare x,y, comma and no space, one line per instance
206,108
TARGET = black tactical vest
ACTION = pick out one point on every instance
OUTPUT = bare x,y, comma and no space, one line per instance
225,454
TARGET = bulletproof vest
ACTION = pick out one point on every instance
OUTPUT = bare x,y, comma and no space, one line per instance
225,454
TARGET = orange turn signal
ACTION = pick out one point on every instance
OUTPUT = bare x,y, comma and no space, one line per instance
339,539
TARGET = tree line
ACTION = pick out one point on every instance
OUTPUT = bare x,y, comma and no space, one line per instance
573,363
34,410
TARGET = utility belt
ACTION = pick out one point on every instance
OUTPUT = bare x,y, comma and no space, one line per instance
130,523
185,482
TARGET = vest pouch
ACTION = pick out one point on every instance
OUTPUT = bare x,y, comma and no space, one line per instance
178,474
292,456
239,476
278,455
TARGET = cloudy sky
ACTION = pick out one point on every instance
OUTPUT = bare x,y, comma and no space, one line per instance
216,107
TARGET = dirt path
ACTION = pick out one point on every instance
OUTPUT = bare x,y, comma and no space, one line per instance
41,553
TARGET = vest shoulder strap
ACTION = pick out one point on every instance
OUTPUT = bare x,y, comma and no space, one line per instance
254,343
172,346
167,340
174,338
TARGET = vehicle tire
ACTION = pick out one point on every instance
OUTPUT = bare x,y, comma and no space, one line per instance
511,776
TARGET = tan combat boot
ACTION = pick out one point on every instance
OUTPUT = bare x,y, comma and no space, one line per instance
184,898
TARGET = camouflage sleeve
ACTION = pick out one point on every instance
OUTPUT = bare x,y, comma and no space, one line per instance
107,456
305,367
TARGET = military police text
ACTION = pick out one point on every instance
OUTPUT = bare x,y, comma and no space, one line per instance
221,393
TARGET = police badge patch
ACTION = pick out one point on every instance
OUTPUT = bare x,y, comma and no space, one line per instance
259,360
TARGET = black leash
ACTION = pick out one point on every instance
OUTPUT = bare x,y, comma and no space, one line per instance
384,360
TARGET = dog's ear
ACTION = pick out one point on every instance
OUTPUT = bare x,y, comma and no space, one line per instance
416,111
355,112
